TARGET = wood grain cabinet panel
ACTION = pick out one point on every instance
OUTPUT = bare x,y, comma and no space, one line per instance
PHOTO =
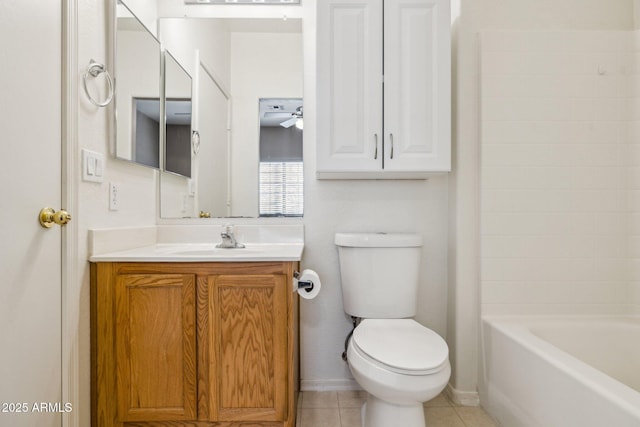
156,347
193,344
249,346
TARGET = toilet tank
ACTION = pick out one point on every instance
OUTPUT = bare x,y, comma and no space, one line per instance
379,273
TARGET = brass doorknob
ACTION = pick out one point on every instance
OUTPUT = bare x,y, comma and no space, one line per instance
48,217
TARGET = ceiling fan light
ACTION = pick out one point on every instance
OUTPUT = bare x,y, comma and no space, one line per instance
289,122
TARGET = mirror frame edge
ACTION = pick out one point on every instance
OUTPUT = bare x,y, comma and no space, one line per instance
112,110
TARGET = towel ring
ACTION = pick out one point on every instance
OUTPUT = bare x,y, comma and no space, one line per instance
94,70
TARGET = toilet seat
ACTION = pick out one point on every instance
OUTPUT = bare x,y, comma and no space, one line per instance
401,345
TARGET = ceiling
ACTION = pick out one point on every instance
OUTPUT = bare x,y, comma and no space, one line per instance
274,111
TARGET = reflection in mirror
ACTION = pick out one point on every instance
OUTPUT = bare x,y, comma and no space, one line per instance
281,171
145,122
178,137
178,118
236,62
212,162
177,190
137,98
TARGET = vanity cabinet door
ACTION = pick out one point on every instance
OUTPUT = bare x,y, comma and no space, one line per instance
247,347
155,341
185,344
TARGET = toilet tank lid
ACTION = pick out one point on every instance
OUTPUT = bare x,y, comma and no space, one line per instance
378,240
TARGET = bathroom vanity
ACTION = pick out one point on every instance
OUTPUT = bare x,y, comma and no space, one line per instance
182,341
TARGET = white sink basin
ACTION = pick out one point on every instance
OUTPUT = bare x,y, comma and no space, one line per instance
196,249
217,252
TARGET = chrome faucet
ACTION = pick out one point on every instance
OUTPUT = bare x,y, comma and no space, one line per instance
228,239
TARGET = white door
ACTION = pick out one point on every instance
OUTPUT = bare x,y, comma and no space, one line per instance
30,179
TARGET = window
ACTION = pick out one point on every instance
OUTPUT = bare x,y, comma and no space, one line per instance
281,171
281,185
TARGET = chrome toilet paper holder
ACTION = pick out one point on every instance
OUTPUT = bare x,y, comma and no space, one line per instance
307,285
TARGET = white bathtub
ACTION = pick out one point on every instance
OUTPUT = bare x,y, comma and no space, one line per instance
562,371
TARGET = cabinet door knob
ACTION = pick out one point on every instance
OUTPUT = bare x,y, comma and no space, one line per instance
391,139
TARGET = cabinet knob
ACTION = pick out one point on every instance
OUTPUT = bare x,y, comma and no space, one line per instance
391,139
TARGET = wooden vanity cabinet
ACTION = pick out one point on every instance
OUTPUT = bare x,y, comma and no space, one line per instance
194,344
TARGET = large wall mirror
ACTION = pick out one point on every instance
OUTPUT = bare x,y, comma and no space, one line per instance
137,97
233,63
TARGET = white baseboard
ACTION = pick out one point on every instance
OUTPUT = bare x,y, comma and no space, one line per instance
463,398
329,385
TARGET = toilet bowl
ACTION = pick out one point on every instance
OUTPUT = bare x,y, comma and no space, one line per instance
401,364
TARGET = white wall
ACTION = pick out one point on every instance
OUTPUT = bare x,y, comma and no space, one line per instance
472,17
137,184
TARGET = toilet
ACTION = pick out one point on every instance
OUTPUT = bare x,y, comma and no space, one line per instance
399,362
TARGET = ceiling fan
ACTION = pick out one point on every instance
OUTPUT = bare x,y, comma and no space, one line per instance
295,119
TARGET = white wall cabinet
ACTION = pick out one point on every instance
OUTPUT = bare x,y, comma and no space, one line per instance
384,88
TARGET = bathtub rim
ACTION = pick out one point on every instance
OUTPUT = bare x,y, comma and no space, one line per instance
518,329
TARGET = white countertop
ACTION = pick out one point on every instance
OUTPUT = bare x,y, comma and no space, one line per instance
185,244
204,252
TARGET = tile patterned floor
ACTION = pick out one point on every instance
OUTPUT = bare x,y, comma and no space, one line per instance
342,409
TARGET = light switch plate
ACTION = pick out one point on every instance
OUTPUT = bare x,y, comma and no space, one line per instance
92,166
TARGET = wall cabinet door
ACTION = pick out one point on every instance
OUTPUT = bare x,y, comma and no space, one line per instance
417,85
155,337
349,85
248,347
384,86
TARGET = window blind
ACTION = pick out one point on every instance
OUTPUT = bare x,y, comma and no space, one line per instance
281,186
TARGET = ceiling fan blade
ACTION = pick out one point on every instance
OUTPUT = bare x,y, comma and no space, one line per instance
289,122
